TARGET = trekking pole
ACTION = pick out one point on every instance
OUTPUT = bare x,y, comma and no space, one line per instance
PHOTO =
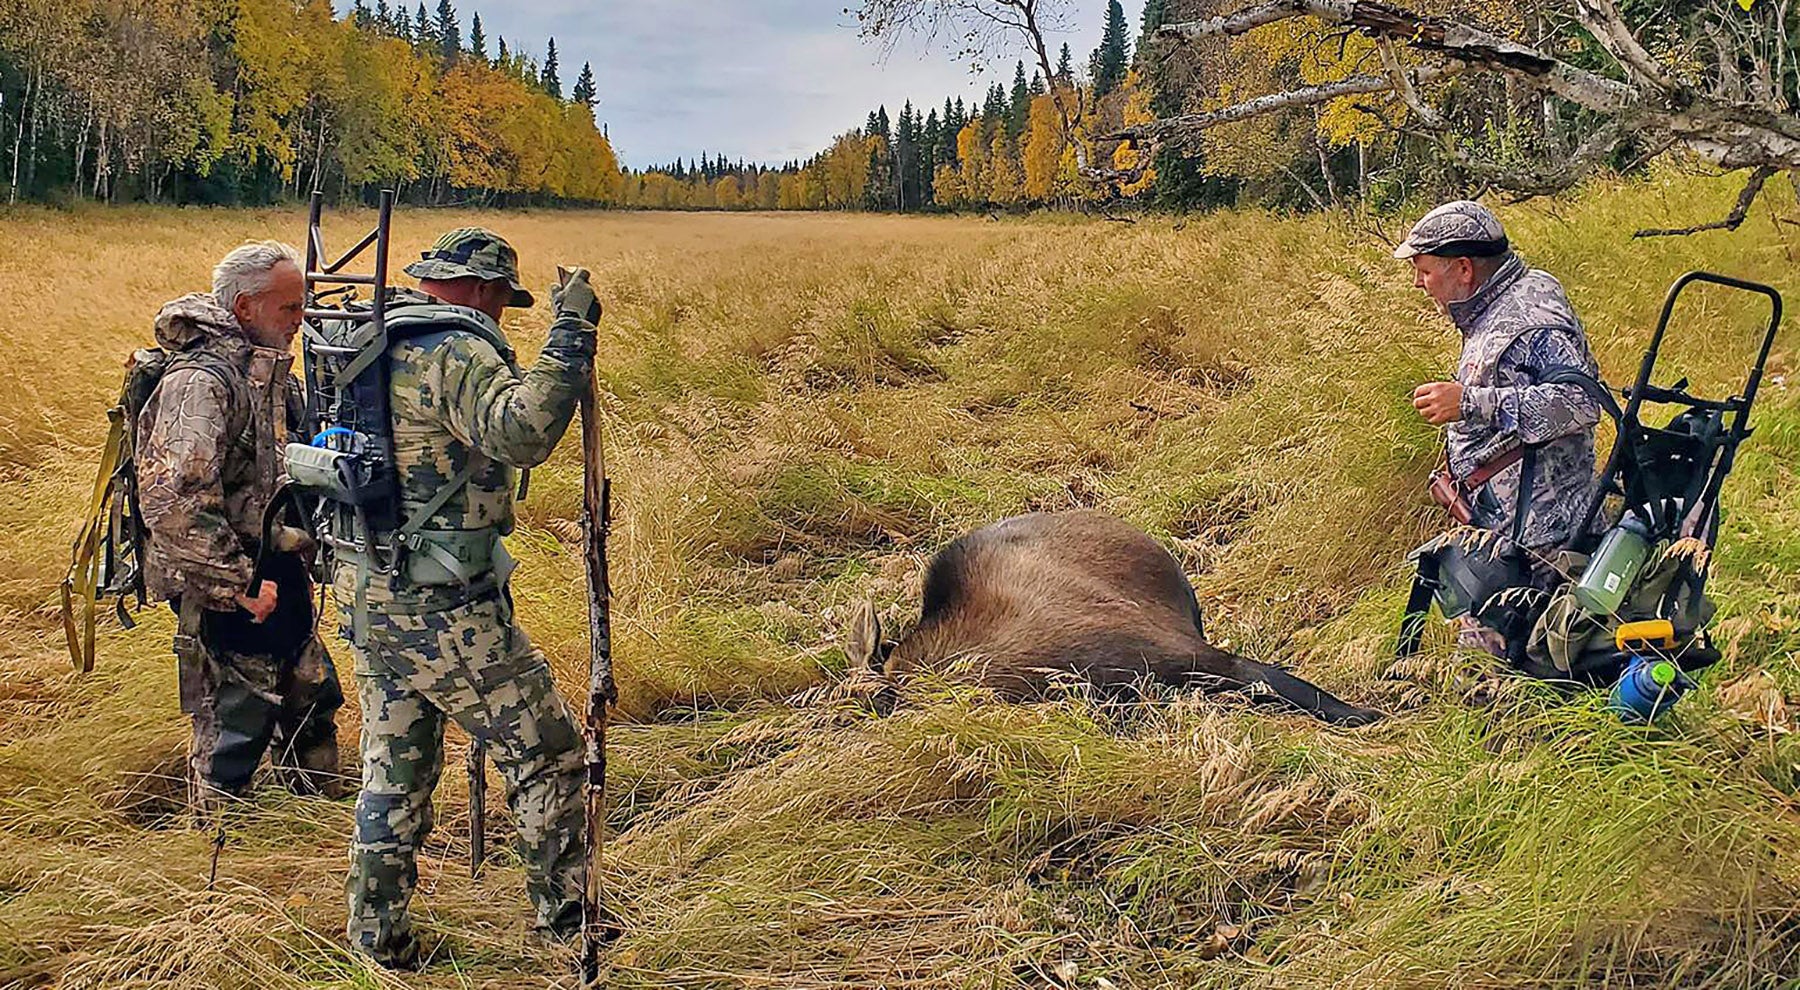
477,805
596,521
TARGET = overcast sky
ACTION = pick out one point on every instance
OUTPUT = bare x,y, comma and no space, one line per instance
762,80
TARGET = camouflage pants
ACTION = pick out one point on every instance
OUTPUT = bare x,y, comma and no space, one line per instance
243,704
472,665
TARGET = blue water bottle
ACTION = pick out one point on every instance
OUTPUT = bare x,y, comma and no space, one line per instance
1649,687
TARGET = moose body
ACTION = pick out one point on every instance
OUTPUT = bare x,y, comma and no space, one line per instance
1080,594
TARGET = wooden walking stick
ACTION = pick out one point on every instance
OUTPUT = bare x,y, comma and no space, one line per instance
596,520
477,764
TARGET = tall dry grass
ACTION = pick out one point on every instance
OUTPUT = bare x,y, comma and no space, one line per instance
800,410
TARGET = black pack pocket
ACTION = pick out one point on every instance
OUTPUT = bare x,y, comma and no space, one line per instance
285,631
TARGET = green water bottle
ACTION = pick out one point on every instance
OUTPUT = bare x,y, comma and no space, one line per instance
1614,568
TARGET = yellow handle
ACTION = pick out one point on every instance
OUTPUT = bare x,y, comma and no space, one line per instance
1656,632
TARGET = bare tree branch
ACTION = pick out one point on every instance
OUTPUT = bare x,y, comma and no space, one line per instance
1259,106
1602,20
1732,220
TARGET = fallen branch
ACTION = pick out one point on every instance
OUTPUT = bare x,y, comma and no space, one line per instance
1732,220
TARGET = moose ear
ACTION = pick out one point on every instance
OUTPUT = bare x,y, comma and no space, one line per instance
863,643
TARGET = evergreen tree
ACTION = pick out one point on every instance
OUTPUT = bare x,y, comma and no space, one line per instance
504,57
477,39
360,16
1108,62
882,125
403,24
953,124
1037,84
585,93
1065,71
930,142
449,33
384,17
422,36
1154,16
906,154
1019,110
551,83
993,111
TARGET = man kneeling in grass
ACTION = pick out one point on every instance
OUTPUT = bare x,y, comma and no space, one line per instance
1517,328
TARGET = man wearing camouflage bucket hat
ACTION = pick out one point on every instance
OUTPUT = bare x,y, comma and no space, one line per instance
436,641
1517,328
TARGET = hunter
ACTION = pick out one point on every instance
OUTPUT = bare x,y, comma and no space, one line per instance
435,640
207,446
1517,327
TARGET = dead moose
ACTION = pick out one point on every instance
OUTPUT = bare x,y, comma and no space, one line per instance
1076,593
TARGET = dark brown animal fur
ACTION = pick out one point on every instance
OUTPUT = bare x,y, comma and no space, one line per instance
1080,593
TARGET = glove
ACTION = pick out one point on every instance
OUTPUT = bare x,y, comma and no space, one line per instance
576,298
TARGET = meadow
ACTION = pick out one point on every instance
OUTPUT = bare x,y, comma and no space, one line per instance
800,409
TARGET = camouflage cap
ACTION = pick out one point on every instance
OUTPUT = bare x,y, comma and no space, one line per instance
473,251
1462,229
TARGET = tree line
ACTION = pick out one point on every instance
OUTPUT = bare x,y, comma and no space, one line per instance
253,101
1009,152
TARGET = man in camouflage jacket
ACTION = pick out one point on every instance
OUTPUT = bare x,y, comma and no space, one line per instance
1517,327
207,451
437,641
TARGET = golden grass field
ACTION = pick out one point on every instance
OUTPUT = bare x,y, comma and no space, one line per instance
801,408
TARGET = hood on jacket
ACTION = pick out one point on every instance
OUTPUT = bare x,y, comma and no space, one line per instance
194,317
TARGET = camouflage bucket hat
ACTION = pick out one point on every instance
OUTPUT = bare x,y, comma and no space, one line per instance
1462,229
473,251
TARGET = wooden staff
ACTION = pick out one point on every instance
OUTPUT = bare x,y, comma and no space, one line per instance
596,522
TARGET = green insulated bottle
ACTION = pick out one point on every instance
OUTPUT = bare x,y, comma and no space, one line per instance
1614,567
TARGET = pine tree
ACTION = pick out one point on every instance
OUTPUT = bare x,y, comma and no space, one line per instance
403,24
882,125
1065,71
1037,84
552,84
449,33
422,38
477,39
1108,62
1154,16
360,16
585,93
906,153
1019,109
952,125
504,56
384,18
926,156
992,112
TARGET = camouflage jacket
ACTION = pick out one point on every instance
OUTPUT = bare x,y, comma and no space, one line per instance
1515,329
458,400
206,448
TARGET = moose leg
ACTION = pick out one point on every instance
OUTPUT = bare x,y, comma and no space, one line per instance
1238,672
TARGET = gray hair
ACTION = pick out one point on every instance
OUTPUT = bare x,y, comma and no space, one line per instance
245,271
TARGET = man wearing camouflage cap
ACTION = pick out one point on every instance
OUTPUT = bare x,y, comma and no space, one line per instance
436,640
1517,327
